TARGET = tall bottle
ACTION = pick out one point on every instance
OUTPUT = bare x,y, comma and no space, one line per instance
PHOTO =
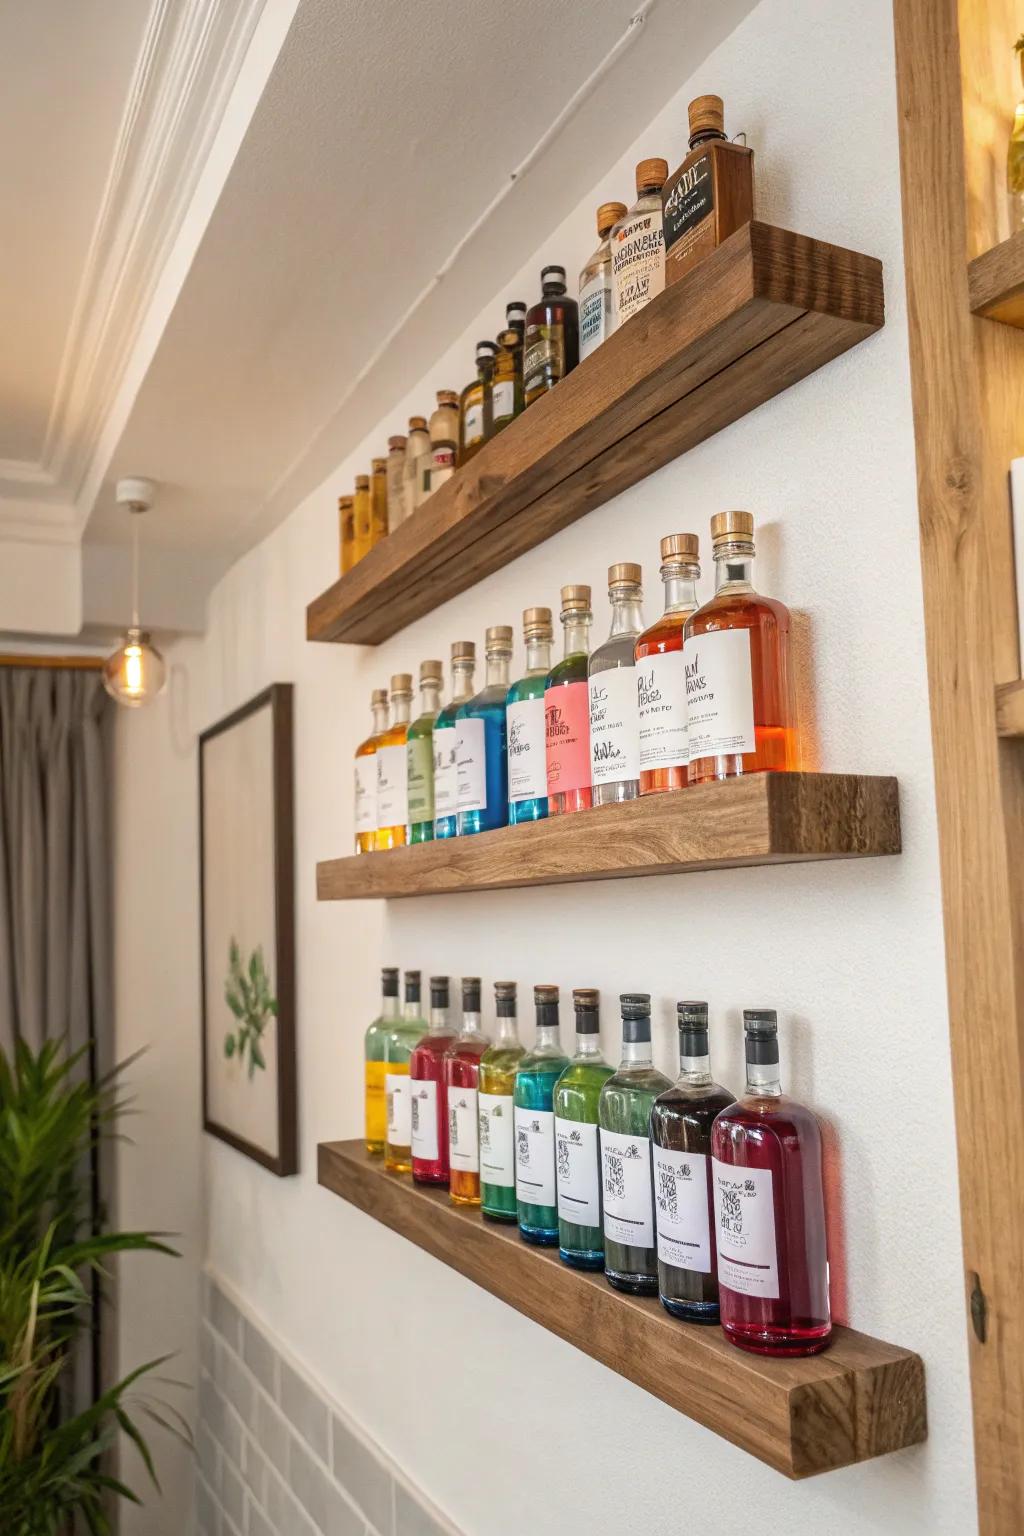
446,788
461,1079
417,463
537,1074
496,1087
515,320
366,774
624,1113
480,755
393,768
347,532
444,438
741,712
429,1099
524,720
362,519
420,754
396,481
638,245
551,345
476,404
577,1153
596,312
507,387
770,1209
684,1209
399,1045
379,499
1015,154
567,710
661,686
711,194
375,1062
614,717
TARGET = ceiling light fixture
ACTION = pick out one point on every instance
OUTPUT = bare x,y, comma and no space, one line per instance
136,671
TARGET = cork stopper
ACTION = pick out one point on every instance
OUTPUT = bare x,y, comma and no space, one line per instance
398,441
732,528
576,599
431,672
625,574
498,638
585,997
401,685
537,623
447,397
417,423
344,502
463,650
707,115
378,466
680,547
508,340
609,214
378,696
362,482
651,175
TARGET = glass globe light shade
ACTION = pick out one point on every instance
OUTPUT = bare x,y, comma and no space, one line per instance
136,672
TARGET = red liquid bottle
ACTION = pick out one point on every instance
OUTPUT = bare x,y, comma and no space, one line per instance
427,1091
461,1071
769,1210
567,710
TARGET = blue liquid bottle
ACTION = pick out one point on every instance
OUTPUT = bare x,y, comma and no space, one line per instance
445,785
527,768
536,1076
480,760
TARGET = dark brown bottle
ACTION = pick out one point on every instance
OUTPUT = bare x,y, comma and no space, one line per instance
711,194
551,346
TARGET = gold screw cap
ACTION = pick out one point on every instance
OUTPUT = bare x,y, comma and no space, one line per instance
344,502
497,636
650,174
378,466
545,994
537,621
447,397
379,696
417,423
626,573
586,997
398,441
463,650
362,482
681,546
575,598
706,114
401,683
609,214
431,671
732,526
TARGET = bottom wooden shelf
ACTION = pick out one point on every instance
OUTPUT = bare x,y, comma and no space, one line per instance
859,1399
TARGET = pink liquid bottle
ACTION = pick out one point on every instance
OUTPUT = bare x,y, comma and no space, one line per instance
427,1091
461,1078
769,1210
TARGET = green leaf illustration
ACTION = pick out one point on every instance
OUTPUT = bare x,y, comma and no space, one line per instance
247,994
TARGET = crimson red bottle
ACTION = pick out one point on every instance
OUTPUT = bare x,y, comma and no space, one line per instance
427,1091
770,1210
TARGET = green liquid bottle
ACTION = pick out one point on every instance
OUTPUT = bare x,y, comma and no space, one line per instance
495,1090
538,1073
399,1044
577,1154
419,746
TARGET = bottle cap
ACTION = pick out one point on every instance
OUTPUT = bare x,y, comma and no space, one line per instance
761,1028
389,980
485,350
417,423
431,672
471,994
635,1005
586,1001
463,650
505,999
362,482
625,574
537,623
651,174
551,275
412,986
706,114
345,502
609,214
378,466
498,638
447,397
545,1001
379,696
401,685
732,528
439,991
576,599
515,309
508,341
680,547
692,1019
398,441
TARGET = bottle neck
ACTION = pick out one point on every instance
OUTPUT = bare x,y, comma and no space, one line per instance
547,1038
695,1071
576,631
704,135
588,1046
380,718
734,568
497,669
763,1079
508,1030
410,1009
627,614
680,588
538,653
388,1008
552,291
439,1021
430,698
471,1025
462,681
637,1053
400,705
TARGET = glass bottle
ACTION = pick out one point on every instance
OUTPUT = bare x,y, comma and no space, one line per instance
481,759
366,774
524,721
1015,154
614,719
444,438
399,1045
638,245
551,344
661,686
567,710
461,1079
740,709
596,315
393,768
429,1099
420,754
379,499
710,196
684,1208
577,1154
446,789
624,1113
396,481
496,1087
515,320
347,532
417,463
770,1209
536,1076
507,387
375,1064
475,404
362,519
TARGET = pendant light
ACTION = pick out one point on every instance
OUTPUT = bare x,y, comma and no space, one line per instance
136,671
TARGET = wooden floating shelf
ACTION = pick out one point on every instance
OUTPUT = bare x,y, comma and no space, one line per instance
995,282
765,818
859,1399
1010,709
763,311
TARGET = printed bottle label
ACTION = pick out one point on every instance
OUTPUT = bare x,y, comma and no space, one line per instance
661,703
442,464
472,424
614,726
376,1109
719,694
463,1130
681,1209
626,1166
471,765
638,262
535,1156
543,356
424,1120
688,204
392,786
527,770
578,1172
745,1230
595,312
366,793
503,399
399,1102
497,1140
567,737
445,778
421,779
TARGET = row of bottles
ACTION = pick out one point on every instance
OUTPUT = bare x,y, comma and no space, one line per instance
672,1189
704,693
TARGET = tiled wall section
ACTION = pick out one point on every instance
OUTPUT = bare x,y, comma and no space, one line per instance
276,1457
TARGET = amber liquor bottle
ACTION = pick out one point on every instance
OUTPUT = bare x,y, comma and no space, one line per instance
347,531
661,688
551,346
476,406
711,194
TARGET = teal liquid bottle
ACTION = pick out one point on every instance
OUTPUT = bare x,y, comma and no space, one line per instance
419,746
399,1043
624,1115
495,1104
539,1071
524,711
446,820
480,757
577,1153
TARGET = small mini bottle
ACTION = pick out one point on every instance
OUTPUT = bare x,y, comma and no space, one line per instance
507,387
684,1210
711,194
638,245
399,1045
379,499
375,1062
614,719
362,519
577,1153
515,320
551,345
567,710
481,760
624,1113
661,686
426,1085
461,1081
420,754
417,463
396,481
475,404
446,789
596,317
347,531
524,721
496,1087
444,438
393,768
366,774
740,709
770,1210
538,1072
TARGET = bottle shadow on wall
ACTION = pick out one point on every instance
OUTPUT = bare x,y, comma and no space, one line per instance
801,1034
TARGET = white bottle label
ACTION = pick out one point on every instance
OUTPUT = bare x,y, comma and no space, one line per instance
614,726
392,786
470,765
638,262
463,1130
503,399
445,781
535,1156
626,1166
681,1209
472,425
424,1120
578,1172
366,794
396,1089
527,767
497,1140
745,1230
719,693
661,703
595,312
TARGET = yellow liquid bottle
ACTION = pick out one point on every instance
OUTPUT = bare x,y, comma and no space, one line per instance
1015,156
362,520
366,774
393,768
374,1053
399,1044
347,531
378,500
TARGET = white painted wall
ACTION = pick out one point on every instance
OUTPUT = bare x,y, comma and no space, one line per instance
496,1419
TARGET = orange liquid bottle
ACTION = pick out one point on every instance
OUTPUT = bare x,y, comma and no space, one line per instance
661,688
393,768
366,774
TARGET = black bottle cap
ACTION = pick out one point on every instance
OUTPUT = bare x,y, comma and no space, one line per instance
505,999
489,348
412,986
693,1028
636,1017
761,1028
438,992
586,1001
552,275
545,1001
471,994
389,981
515,307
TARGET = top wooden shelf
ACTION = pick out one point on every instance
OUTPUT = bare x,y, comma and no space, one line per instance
995,282
766,309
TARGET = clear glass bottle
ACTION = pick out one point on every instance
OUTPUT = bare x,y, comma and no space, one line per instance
444,438
393,768
507,386
476,404
496,1088
427,1087
537,1074
446,788
461,1080
1015,154
551,345
379,499
567,710
375,1062
661,686
420,752
417,463
524,721
638,245
366,774
396,481
596,312
399,1045
362,519
347,532
614,717
577,1153
481,759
